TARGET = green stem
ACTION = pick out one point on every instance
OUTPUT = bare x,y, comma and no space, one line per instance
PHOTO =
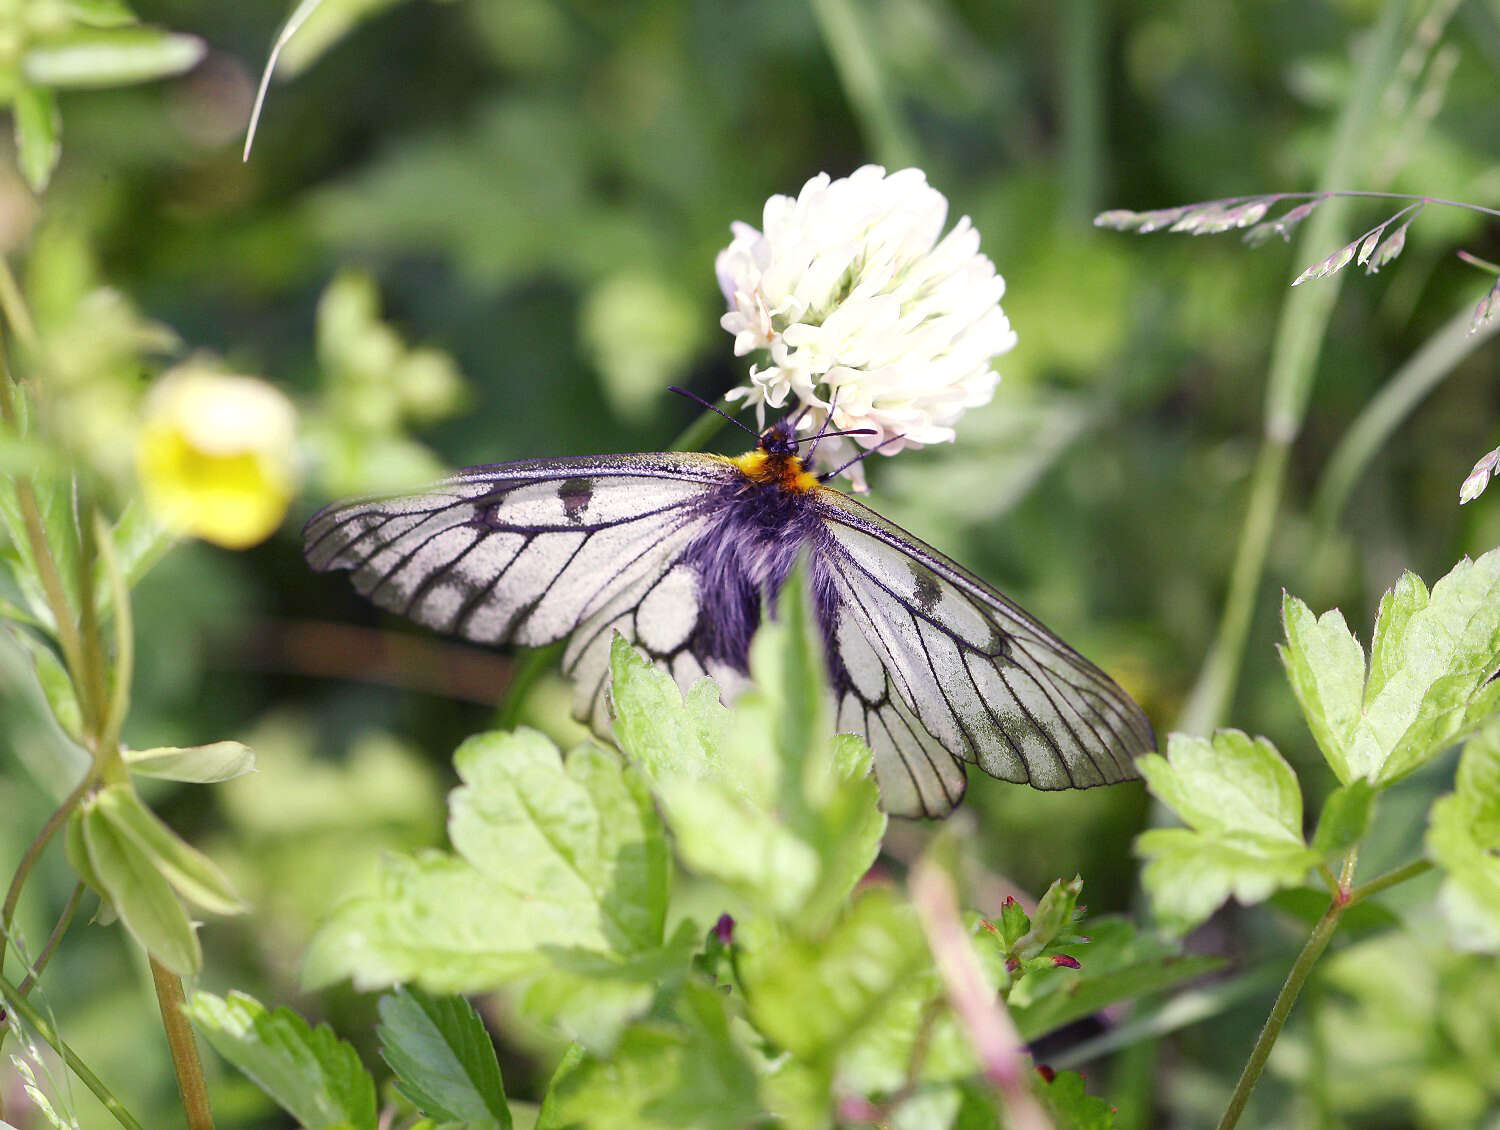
124,666
1299,339
13,305
853,57
184,1048
40,1025
64,920
35,849
1317,942
1389,879
1407,387
1083,73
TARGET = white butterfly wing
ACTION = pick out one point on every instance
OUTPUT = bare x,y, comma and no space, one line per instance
938,668
534,552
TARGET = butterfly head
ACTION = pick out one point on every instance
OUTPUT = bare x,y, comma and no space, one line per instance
780,439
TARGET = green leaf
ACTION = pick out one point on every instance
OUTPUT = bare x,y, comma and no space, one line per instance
198,764
1244,811
1326,667
1118,964
1463,838
591,997
310,1073
38,133
1345,818
100,13
682,1070
763,797
443,1058
813,996
1056,912
110,57
551,857
144,899
1067,1100
192,874
57,686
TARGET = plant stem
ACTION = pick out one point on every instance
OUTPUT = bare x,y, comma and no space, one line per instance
1438,357
1390,879
1317,942
184,1048
1083,72
851,51
63,922
1299,339
14,307
35,849
45,1030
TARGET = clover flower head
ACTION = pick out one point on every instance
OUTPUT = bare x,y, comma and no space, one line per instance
866,308
217,455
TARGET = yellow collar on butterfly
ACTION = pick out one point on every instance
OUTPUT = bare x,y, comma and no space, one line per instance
768,468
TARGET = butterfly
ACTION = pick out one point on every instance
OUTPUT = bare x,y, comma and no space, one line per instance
680,552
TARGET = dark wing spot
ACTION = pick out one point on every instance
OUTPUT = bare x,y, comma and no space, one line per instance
999,648
576,494
928,591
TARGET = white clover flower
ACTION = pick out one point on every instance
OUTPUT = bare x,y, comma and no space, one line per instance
853,292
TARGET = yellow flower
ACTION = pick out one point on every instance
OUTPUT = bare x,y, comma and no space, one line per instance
217,455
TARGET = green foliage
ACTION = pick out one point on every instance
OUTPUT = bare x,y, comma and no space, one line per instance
443,1059
1464,840
310,1073
1431,657
1244,836
59,46
551,857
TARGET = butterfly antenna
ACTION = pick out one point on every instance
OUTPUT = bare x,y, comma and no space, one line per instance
863,455
712,408
828,419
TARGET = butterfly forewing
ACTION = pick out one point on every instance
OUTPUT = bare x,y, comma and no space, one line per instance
536,552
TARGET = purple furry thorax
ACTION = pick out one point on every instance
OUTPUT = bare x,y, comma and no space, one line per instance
744,558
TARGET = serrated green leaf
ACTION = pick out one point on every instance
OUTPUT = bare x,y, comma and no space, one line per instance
1463,838
140,894
443,1058
1326,668
763,797
97,57
191,873
1244,811
57,686
195,764
1118,964
1345,817
812,996
680,1071
38,133
1015,923
591,997
1067,1100
310,1073
551,857
1430,658
1055,912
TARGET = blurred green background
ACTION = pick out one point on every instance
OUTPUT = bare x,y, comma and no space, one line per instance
537,189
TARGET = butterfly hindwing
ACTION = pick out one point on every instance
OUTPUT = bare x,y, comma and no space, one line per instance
930,656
